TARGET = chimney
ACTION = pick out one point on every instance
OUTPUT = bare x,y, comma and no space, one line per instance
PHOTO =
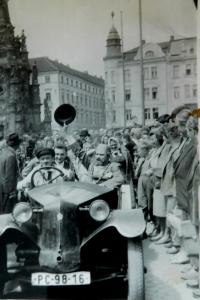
171,37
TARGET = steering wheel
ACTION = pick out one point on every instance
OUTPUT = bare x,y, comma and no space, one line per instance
61,174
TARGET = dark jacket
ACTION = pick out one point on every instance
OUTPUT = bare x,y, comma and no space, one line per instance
8,179
182,169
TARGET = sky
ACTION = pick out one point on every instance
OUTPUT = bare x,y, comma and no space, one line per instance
74,31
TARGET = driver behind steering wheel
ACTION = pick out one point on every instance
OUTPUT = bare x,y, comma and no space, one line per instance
42,173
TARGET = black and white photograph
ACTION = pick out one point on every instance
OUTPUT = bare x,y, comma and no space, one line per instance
99,159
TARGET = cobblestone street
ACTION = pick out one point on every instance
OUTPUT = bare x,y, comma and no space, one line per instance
163,280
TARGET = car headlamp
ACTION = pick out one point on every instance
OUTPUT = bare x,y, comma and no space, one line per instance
99,210
22,212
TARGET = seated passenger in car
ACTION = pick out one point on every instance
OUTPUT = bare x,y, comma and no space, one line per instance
63,162
103,171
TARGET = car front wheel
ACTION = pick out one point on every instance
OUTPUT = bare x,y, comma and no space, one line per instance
135,270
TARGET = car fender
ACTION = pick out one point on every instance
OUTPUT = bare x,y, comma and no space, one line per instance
129,223
7,223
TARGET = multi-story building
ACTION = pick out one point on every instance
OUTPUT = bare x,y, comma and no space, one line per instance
170,79
61,84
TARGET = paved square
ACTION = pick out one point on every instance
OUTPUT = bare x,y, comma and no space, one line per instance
163,280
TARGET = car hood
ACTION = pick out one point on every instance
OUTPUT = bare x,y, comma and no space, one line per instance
71,192
59,240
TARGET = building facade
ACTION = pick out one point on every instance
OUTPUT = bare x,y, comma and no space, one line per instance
61,84
19,89
170,79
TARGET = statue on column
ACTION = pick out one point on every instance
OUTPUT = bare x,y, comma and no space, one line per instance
34,74
17,42
47,109
23,41
14,73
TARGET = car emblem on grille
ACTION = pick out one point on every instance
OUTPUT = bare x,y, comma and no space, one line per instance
59,216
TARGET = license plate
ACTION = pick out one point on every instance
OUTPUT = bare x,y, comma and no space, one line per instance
49,279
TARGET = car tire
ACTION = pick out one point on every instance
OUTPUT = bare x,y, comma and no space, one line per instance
3,277
135,270
3,267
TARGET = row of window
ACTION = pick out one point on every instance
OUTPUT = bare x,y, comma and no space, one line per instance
151,93
129,116
82,100
149,114
77,84
190,69
79,100
147,111
189,91
127,76
150,53
90,118
152,73
127,95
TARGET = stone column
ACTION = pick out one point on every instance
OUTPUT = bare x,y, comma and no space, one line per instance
36,104
11,118
15,108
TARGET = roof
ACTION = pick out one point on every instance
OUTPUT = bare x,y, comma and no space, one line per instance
113,34
134,50
44,64
165,46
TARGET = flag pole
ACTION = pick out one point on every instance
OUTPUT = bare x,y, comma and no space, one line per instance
141,64
123,70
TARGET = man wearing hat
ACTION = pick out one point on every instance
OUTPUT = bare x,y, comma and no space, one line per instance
8,174
46,157
103,171
84,134
85,148
85,138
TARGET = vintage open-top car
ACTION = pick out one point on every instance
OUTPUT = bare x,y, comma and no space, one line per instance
72,234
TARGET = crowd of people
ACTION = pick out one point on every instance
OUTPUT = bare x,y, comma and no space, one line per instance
160,163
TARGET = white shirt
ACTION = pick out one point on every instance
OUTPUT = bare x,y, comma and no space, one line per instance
40,178
66,172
